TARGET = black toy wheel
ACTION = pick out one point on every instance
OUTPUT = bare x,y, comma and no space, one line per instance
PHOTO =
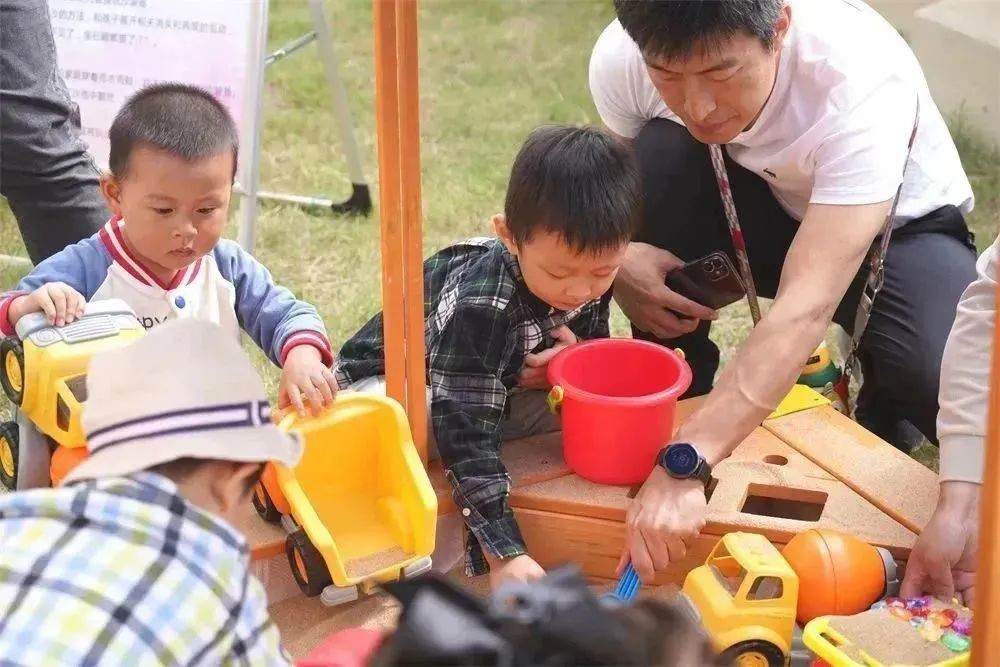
264,505
9,439
754,653
308,567
12,377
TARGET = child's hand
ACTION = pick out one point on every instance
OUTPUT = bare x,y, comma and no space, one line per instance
61,304
305,375
519,568
534,375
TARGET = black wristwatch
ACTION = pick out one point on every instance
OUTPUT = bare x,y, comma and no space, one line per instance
682,461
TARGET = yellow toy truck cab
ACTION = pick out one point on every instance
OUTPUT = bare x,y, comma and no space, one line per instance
745,596
359,507
43,371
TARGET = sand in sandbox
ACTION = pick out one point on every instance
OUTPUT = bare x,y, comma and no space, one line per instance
887,639
362,567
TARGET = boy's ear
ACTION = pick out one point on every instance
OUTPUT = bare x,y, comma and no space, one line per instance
112,193
233,488
502,230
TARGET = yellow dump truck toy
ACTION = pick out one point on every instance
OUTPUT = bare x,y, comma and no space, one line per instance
44,370
359,508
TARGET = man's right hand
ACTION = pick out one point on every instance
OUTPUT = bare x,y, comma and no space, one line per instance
943,560
647,302
61,304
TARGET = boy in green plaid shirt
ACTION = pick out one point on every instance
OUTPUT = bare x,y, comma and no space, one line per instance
498,309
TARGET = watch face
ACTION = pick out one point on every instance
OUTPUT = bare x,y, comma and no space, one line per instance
681,459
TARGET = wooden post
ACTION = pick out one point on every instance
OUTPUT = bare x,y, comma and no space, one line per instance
985,647
398,128
407,57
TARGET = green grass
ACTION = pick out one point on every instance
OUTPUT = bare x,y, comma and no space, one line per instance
490,72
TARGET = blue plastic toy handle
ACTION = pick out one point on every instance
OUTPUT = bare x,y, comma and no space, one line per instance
628,585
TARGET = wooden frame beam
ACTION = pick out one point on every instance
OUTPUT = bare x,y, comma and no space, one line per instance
397,101
985,648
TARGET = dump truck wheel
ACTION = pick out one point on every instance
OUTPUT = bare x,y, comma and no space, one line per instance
8,455
264,505
755,653
308,567
12,377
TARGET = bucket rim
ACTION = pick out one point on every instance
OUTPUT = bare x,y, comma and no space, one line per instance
570,391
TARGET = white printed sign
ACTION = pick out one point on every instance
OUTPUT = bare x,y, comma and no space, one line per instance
109,49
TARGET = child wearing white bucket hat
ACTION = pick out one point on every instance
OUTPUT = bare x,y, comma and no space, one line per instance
134,559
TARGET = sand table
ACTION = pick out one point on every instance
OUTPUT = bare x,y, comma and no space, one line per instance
892,640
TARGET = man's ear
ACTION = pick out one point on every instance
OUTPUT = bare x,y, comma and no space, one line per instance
781,25
232,487
502,230
111,190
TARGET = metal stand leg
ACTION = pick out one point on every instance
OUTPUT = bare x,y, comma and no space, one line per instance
34,456
248,207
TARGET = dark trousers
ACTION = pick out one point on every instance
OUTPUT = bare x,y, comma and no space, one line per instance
929,264
49,180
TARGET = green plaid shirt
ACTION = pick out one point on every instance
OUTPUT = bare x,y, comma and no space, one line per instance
480,322
124,571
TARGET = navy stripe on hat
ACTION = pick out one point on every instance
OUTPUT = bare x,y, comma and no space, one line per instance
246,414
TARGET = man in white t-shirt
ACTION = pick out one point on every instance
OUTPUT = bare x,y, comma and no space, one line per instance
814,102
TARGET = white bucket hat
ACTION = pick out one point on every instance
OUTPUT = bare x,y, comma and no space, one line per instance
185,389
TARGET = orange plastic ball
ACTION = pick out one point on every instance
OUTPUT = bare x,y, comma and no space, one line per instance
838,573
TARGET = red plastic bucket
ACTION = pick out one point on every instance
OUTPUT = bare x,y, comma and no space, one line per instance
618,397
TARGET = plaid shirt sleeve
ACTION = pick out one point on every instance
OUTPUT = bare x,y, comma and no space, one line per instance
257,641
466,363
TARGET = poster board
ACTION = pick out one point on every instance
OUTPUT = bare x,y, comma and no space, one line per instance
108,49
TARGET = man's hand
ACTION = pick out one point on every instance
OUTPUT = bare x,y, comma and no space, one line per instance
61,304
662,522
519,568
647,302
534,374
943,561
304,374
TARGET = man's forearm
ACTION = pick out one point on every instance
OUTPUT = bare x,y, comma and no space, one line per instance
756,380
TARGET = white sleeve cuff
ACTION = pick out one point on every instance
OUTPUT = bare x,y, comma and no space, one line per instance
962,459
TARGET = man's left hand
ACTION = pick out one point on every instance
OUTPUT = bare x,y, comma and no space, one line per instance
662,523
534,374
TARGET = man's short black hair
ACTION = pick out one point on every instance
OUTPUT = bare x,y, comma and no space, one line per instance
185,121
670,29
578,182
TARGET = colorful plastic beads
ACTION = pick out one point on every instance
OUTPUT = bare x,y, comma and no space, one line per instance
881,604
900,613
955,642
962,626
917,621
922,612
943,617
918,603
896,602
930,631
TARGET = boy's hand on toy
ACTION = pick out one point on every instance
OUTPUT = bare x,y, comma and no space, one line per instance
519,568
534,374
662,523
943,560
61,304
305,376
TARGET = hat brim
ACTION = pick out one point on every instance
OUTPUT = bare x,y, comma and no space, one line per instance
258,444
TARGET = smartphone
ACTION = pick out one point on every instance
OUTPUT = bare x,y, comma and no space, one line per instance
711,281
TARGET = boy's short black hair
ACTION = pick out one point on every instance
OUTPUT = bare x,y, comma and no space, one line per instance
681,28
180,469
185,121
578,182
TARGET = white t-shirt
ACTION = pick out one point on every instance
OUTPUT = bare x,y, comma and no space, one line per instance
835,128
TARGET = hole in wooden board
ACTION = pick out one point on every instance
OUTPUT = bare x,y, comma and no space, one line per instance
776,460
784,503
709,490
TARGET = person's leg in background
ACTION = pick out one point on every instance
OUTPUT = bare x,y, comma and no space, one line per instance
929,264
683,214
50,181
